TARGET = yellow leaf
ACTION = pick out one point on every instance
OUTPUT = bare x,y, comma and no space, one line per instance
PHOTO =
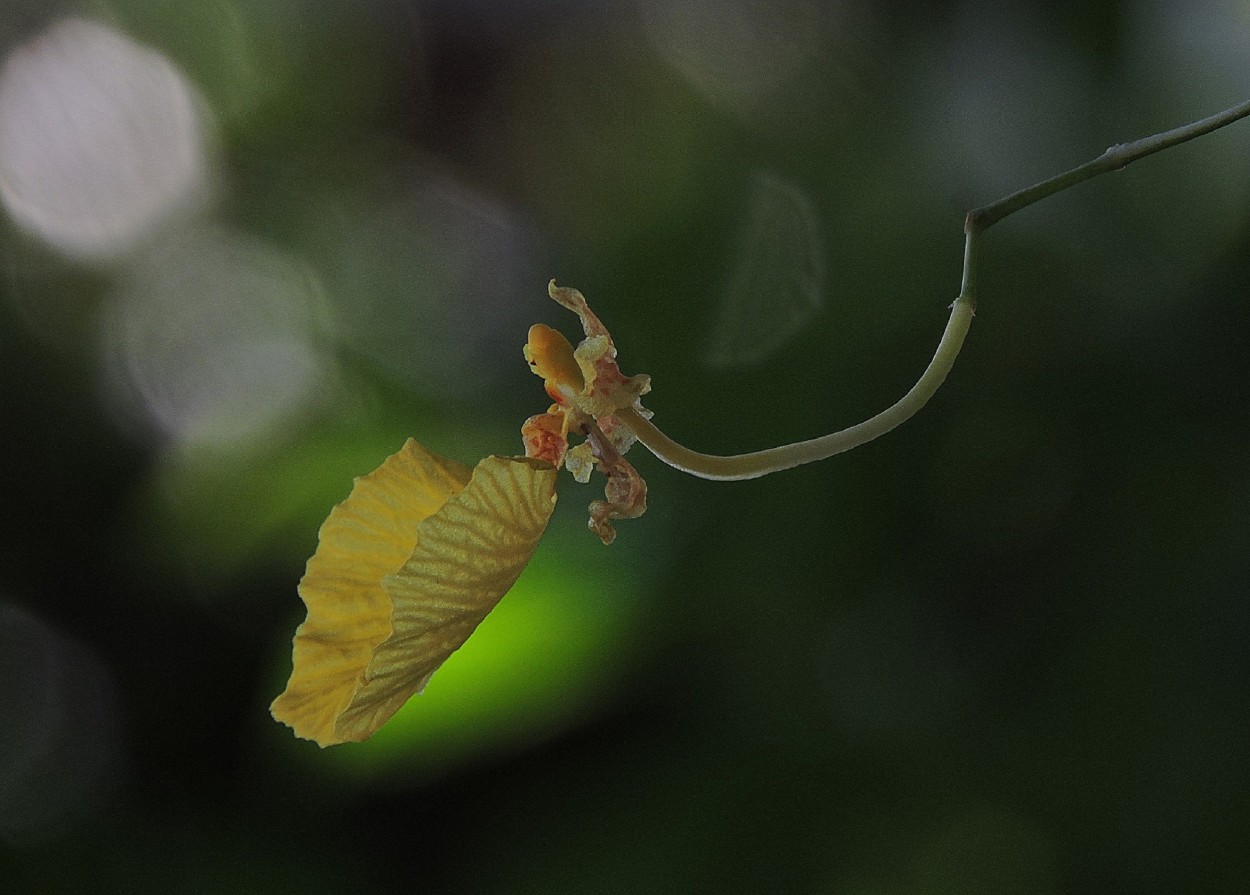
468,556
464,555
366,537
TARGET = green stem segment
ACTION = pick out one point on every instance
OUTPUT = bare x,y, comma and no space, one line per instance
760,463
1119,156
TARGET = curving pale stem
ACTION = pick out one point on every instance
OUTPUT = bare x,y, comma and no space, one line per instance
760,463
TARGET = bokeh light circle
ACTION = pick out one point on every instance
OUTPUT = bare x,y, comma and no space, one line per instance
101,139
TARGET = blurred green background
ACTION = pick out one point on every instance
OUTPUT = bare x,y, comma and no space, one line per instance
249,246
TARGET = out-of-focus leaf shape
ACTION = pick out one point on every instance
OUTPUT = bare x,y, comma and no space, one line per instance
777,283
406,568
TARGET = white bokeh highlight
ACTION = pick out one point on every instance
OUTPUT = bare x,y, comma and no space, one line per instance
432,283
213,340
101,139
737,53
